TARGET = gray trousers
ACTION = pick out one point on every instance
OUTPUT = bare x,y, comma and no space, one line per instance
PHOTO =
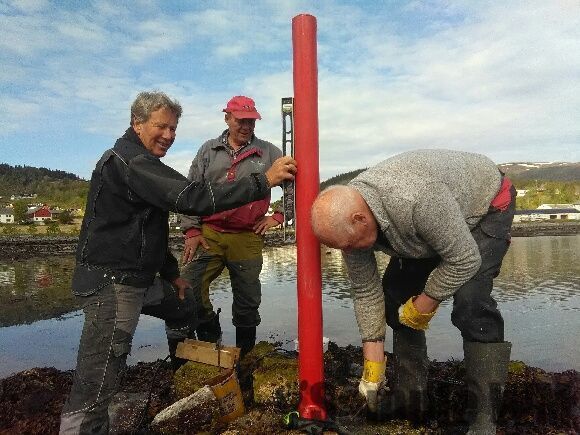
111,317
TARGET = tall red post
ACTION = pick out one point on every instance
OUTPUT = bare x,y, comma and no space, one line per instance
310,358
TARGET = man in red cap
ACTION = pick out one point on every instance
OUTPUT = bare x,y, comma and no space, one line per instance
232,239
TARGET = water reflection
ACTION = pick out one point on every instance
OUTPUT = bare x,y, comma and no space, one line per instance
334,275
35,289
541,266
538,291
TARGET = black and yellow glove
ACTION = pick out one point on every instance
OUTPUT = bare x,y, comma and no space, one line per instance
409,316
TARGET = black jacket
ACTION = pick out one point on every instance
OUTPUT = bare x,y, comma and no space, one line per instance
124,235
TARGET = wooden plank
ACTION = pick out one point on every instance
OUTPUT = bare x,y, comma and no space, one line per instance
200,343
199,351
231,349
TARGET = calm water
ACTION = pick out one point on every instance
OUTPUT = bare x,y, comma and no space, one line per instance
538,292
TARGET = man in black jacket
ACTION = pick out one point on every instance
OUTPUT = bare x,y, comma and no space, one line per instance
124,266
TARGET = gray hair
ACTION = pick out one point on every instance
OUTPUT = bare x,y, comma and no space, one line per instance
148,102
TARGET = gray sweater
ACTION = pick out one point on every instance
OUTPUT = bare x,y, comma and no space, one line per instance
426,203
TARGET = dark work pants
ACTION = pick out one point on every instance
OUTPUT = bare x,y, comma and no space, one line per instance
111,317
475,311
241,254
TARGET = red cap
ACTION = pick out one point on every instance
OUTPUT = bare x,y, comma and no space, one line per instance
242,107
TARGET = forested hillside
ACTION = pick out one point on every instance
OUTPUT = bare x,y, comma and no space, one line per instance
340,179
532,172
555,183
52,187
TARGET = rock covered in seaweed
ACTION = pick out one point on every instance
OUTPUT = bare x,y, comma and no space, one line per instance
535,401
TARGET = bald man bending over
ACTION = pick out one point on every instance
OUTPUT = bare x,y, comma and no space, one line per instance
444,217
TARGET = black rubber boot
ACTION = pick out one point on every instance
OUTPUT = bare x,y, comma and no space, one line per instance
486,367
408,398
245,339
175,361
209,330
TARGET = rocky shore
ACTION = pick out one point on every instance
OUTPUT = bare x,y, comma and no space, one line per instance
530,229
19,247
535,401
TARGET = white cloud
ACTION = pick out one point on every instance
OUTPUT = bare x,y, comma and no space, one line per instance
489,76
17,114
23,36
29,6
81,33
480,85
179,160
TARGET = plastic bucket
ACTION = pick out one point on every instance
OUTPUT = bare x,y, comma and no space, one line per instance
226,389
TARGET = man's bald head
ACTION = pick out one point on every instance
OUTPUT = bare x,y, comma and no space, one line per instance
342,219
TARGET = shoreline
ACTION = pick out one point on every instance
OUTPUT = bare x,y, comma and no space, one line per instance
20,247
24,246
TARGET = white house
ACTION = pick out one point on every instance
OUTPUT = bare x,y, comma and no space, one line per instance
521,192
547,214
22,196
558,206
174,220
6,215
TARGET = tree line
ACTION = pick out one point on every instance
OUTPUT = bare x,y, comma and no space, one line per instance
52,187
67,190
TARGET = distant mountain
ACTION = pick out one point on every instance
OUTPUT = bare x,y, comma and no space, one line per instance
340,178
562,172
557,171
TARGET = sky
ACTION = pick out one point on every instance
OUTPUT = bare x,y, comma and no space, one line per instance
501,78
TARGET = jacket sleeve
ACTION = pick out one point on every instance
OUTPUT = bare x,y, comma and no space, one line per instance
164,187
196,173
440,223
368,296
170,269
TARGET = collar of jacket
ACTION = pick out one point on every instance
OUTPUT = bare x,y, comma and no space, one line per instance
223,140
129,145
131,136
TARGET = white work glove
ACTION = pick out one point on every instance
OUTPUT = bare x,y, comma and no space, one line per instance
373,379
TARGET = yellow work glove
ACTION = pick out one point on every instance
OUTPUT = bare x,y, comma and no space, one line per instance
373,379
409,316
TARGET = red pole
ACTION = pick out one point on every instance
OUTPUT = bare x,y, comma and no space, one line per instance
310,358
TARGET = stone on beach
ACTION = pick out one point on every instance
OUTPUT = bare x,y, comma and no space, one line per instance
194,412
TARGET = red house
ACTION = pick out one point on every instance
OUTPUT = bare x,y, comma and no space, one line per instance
39,214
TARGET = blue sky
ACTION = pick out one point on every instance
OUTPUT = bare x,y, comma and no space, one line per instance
497,77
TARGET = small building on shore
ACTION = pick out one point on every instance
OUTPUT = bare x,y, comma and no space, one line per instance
546,214
559,206
521,192
39,215
6,215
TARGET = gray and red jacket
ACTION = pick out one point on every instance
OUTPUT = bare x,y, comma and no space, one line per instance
214,163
